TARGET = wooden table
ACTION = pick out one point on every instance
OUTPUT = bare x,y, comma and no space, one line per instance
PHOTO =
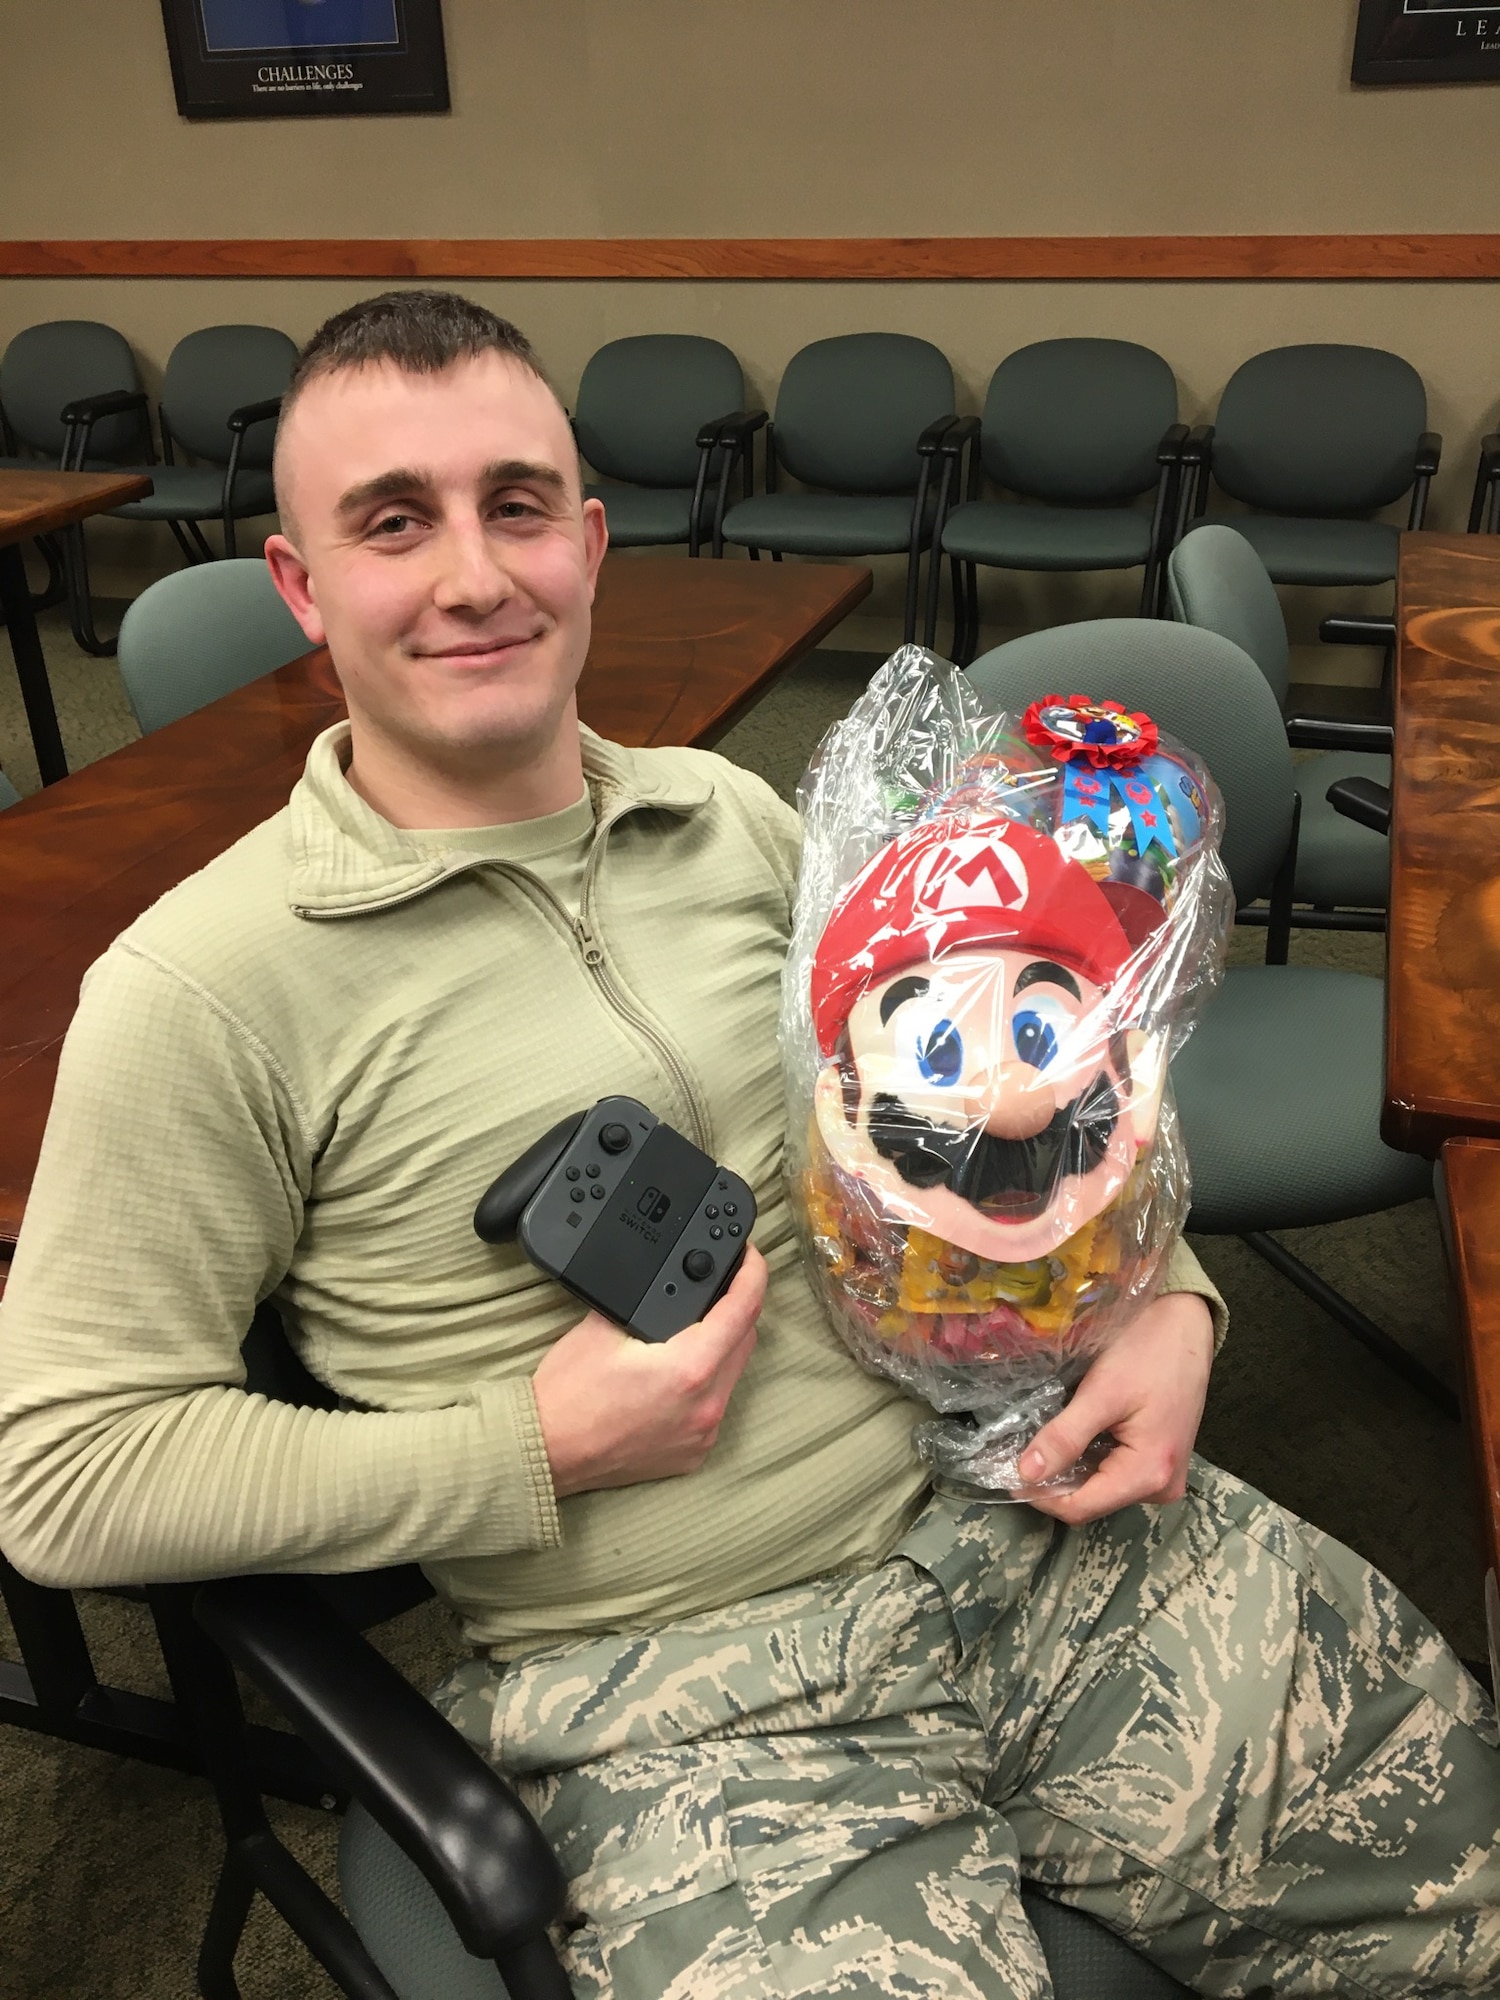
31,504
680,650
1443,987
1442,1083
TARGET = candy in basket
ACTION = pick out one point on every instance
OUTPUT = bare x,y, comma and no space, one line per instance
1005,925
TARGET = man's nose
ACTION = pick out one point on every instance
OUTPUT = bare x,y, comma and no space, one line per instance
1012,1100
473,574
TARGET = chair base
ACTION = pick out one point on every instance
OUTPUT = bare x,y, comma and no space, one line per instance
1349,1316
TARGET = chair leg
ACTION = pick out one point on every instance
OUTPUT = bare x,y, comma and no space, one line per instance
225,1927
80,598
183,543
1349,1316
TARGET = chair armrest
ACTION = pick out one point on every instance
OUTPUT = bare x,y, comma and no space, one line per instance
1198,446
736,429
1358,631
1315,732
949,435
241,419
1485,477
1429,454
89,409
1363,800
435,1796
1173,445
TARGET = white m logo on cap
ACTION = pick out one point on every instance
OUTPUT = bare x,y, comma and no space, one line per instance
969,872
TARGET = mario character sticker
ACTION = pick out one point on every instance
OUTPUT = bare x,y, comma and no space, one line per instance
977,1027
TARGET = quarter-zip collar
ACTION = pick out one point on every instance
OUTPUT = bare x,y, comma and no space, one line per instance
346,859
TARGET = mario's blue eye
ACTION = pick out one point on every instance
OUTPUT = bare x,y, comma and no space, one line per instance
1036,1043
940,1053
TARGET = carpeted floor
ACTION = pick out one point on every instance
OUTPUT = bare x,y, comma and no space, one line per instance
108,1864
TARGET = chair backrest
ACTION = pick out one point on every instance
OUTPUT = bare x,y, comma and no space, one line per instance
201,632
1319,429
1200,688
1078,420
47,367
216,371
643,400
850,410
1217,581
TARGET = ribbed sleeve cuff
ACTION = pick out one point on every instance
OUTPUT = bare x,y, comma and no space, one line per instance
1186,1274
524,1512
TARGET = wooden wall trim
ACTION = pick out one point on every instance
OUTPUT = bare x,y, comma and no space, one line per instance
812,257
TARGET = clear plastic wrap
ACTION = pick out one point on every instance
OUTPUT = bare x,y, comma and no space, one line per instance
1005,927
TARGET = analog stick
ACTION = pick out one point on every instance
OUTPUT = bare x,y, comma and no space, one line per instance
698,1264
614,1138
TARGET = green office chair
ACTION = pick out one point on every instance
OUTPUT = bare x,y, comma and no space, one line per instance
1279,1086
649,410
859,417
199,633
1077,430
1215,580
1311,439
43,371
220,397
9,796
449,1883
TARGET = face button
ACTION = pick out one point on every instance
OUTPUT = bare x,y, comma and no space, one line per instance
711,1212
731,1208
735,1230
575,1194
698,1265
593,1172
615,1138
597,1193
572,1174
716,1232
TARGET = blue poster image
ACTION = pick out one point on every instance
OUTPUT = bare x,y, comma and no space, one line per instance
240,26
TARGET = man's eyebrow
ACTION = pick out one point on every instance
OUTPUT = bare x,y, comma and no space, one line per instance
1046,972
402,482
524,472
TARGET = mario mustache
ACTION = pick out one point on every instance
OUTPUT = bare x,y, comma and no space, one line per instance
1012,1179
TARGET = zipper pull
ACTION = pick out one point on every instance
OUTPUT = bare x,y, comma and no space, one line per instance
593,957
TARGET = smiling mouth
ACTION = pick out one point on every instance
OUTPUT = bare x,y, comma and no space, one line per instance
486,650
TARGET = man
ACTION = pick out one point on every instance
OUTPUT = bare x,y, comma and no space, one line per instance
793,1727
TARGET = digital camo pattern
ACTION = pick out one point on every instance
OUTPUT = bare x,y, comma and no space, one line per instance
1207,1725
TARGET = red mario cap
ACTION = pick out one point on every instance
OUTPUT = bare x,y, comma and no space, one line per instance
953,883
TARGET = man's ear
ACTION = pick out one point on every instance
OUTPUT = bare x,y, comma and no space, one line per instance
289,574
595,541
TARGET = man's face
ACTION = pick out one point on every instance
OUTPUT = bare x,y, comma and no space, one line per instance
440,545
990,1102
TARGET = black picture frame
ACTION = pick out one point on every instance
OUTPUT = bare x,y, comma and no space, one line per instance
1427,41
358,58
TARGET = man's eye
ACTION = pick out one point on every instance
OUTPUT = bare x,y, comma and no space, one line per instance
515,510
393,524
940,1053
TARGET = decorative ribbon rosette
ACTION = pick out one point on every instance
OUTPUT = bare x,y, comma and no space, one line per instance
1003,930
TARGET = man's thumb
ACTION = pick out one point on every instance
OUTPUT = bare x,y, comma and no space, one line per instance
1061,1443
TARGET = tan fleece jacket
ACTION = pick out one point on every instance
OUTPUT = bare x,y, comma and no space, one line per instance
291,1079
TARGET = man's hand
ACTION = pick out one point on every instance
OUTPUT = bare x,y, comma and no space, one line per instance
1147,1389
616,1411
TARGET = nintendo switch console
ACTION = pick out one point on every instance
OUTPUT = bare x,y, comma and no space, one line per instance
627,1214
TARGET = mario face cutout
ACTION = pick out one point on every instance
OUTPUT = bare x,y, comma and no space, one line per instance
986,1097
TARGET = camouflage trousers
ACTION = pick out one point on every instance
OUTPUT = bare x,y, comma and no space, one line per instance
1206,1724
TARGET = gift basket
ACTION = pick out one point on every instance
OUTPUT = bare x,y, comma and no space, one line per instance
1005,926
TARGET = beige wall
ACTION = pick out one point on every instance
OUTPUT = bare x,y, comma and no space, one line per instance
797,117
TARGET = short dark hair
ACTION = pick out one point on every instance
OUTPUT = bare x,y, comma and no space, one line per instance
421,332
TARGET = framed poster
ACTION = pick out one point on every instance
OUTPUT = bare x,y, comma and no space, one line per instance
1426,41
305,58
